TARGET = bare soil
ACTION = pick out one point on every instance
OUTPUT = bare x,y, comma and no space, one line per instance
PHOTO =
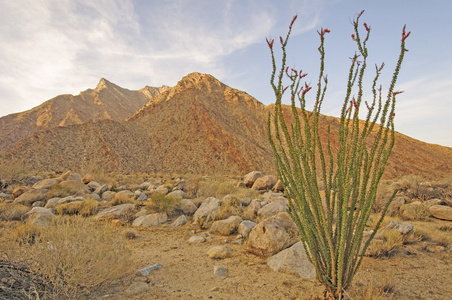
413,272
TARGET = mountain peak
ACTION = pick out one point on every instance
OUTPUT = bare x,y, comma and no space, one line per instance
103,84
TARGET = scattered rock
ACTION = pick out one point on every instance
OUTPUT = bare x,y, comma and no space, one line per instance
227,226
114,211
395,205
125,194
251,177
70,199
52,202
196,239
272,235
403,228
87,179
250,212
264,183
31,196
219,271
245,228
207,209
93,185
272,209
187,206
441,212
107,195
38,204
19,191
40,216
219,252
146,271
293,261
142,197
177,194
432,202
180,221
145,185
101,189
150,220
46,183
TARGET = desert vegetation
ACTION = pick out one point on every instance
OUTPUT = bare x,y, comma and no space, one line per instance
332,227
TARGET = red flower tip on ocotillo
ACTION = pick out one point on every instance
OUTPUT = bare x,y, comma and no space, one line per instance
397,92
293,20
284,89
353,36
367,27
270,43
281,40
327,30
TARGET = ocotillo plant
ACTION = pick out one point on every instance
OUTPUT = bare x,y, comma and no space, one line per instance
331,226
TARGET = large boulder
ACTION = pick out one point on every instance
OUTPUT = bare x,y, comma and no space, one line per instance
46,183
40,216
441,212
31,196
273,235
293,261
207,209
150,220
226,227
251,177
187,206
272,209
177,194
75,186
264,183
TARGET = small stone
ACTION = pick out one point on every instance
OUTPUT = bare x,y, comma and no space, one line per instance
214,289
219,252
146,271
196,239
219,271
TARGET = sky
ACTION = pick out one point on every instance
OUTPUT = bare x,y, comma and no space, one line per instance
54,47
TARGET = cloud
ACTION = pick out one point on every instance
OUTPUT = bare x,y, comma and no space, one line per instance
52,47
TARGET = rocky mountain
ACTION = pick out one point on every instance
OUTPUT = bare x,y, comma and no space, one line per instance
106,102
199,126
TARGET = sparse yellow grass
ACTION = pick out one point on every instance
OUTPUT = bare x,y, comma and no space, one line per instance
229,206
160,203
121,199
59,191
371,291
75,255
85,208
12,211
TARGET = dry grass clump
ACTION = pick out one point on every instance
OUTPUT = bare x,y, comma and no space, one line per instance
160,203
230,205
416,187
12,211
25,234
430,232
85,208
393,241
371,291
119,199
13,170
220,187
414,212
75,256
59,191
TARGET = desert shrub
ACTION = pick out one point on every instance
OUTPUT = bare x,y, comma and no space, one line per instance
415,187
372,291
160,203
59,191
384,191
414,212
393,241
76,255
12,211
12,171
85,208
230,205
130,235
432,233
25,234
332,229
121,199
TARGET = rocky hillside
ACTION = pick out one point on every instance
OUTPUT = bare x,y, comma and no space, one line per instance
106,102
199,126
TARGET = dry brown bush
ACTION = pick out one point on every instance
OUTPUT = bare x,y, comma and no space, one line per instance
75,256
230,205
59,191
12,211
160,203
85,208
121,199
